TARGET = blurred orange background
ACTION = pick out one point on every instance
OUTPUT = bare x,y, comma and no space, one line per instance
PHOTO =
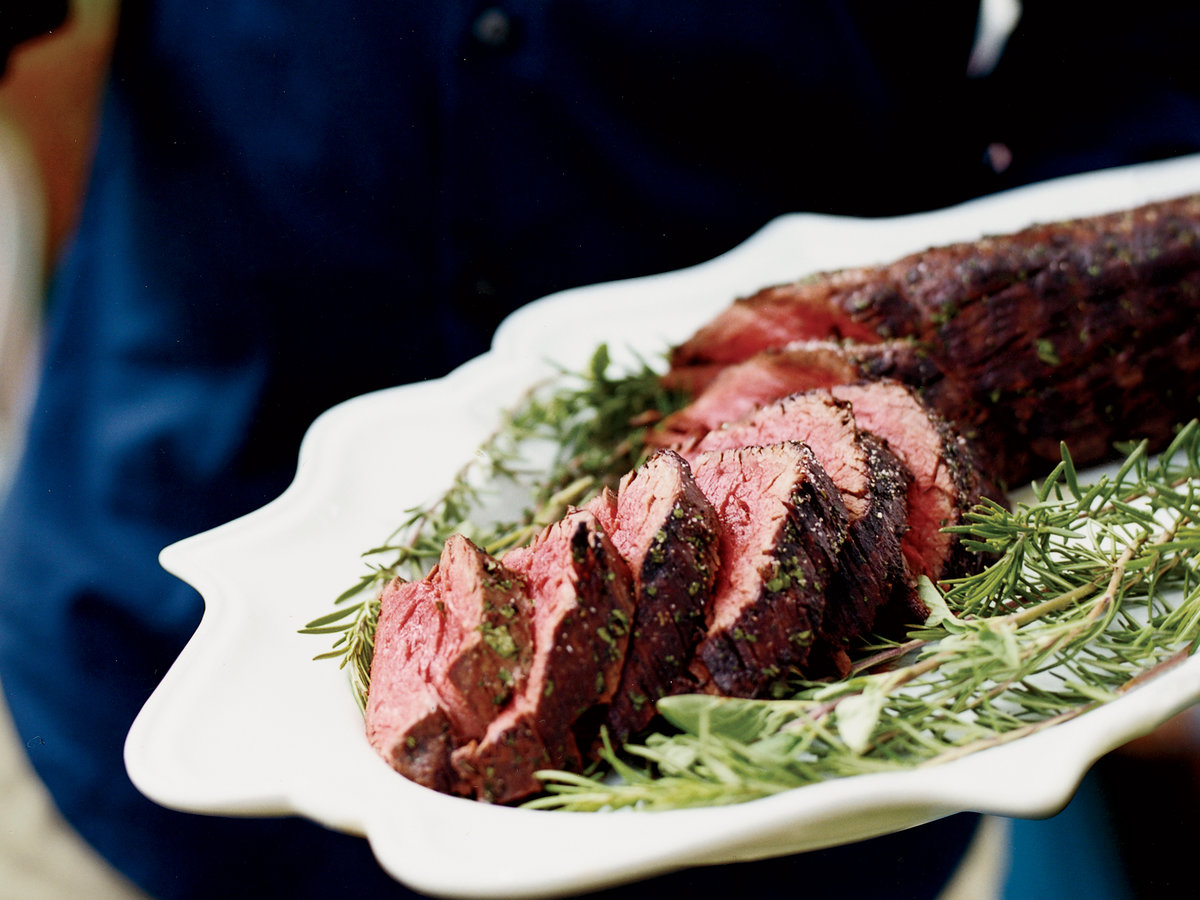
51,94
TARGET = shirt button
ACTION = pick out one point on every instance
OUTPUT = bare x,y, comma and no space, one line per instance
493,28
998,157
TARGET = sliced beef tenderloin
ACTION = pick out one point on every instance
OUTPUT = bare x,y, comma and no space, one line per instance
871,571
582,610
946,481
667,532
450,650
783,525
874,564
816,418
910,363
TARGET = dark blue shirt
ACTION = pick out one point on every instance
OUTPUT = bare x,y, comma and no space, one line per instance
295,202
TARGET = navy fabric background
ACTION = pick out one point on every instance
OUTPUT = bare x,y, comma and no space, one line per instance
296,202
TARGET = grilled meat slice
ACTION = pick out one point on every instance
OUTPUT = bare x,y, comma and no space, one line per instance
449,652
774,372
946,481
582,609
871,571
775,317
873,564
666,530
816,418
767,375
783,524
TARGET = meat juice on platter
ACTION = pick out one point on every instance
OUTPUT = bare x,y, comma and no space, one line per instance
835,427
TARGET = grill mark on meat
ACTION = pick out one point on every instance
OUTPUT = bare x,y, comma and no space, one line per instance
582,610
666,530
450,650
783,526
1149,389
1042,322
1104,256
871,570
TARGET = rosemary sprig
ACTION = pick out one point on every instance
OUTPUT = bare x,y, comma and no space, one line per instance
587,429
1094,586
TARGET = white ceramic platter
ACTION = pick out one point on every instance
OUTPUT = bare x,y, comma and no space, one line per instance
245,723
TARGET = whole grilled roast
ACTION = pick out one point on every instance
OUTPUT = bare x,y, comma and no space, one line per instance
1085,331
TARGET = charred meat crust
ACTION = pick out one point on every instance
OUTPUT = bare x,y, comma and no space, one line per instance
872,582
583,607
871,571
1035,273
1037,325
784,524
946,480
667,531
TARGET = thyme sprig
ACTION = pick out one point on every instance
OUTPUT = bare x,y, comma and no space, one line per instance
1094,587
566,439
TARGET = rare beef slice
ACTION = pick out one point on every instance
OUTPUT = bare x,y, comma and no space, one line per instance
582,599
767,374
774,373
783,524
450,650
871,572
945,479
667,531
775,317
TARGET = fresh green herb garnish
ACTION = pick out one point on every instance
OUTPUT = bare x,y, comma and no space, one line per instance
1093,588
1073,613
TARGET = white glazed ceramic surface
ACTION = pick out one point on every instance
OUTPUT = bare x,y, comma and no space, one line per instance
245,723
